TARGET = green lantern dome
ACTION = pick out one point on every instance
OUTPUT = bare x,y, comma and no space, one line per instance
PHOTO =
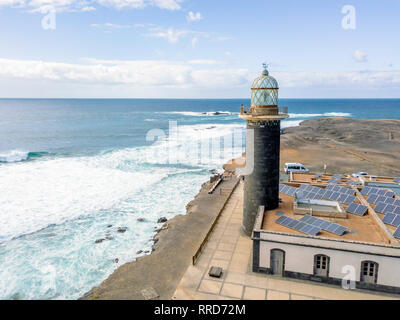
264,91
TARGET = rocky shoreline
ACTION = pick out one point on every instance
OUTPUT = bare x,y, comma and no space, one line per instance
175,243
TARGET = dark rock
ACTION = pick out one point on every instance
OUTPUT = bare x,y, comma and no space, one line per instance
141,219
109,238
155,241
139,252
116,260
122,229
99,240
109,226
147,251
162,220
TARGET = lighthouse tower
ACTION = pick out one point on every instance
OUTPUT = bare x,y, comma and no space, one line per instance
261,182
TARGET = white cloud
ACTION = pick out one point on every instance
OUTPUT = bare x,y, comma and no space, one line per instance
168,4
12,3
88,8
174,35
182,74
88,5
360,56
192,17
195,41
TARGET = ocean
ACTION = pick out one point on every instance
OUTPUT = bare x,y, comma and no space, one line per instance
73,171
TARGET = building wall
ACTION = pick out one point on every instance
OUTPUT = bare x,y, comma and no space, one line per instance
299,260
261,187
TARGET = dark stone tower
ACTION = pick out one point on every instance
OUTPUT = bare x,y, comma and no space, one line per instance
261,184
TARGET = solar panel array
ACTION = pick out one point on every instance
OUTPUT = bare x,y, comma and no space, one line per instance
386,208
334,181
396,234
283,188
352,183
338,176
392,219
340,194
324,225
366,191
357,209
397,180
319,175
375,198
298,225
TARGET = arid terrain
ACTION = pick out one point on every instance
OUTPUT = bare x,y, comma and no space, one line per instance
345,145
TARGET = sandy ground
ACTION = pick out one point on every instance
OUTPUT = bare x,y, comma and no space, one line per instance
345,145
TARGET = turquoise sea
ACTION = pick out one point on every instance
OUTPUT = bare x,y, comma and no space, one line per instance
73,171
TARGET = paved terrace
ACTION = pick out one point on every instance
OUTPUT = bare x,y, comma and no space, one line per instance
230,249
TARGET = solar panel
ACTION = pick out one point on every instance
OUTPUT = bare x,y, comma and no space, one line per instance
390,200
372,198
397,180
390,194
324,225
396,234
338,176
298,225
365,191
335,196
397,210
319,175
342,198
351,183
390,208
380,207
329,187
392,219
334,181
349,199
357,209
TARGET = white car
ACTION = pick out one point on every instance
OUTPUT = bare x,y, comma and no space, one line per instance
295,168
358,174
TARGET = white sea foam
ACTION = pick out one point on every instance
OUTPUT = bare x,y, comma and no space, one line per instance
14,156
203,114
313,115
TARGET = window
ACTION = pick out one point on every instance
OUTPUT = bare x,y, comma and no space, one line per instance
321,265
369,272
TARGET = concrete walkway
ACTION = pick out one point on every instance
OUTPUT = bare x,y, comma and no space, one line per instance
230,249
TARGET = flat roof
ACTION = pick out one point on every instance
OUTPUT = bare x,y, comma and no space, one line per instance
362,228
312,178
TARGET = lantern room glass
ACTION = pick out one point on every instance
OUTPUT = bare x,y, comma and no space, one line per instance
264,91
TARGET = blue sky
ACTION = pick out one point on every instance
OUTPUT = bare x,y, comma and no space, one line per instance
198,49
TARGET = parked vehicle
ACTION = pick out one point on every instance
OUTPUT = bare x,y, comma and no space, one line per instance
295,168
358,174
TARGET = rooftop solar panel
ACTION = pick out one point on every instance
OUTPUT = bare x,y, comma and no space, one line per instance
334,181
390,208
324,225
338,176
390,219
319,175
390,200
372,198
349,199
298,225
396,234
357,209
342,198
351,183
365,191
397,180
380,207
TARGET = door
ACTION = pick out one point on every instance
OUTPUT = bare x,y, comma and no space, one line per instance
321,265
369,272
277,261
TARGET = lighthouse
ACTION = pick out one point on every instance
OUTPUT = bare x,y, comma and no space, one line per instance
261,181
